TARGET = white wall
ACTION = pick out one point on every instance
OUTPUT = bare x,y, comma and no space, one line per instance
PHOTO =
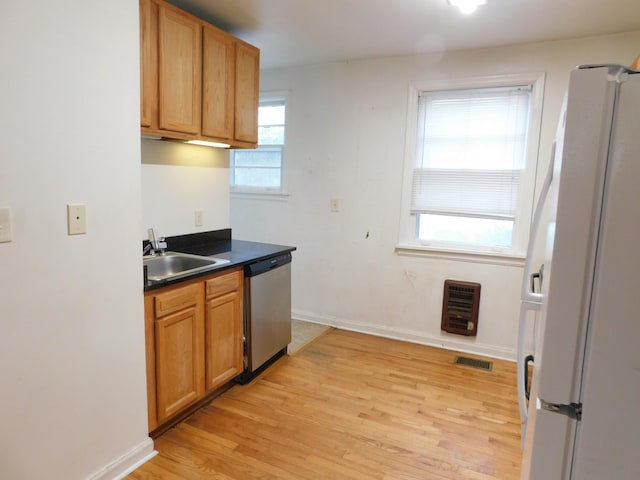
177,180
72,365
346,140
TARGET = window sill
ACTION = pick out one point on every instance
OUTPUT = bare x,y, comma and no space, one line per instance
248,195
460,255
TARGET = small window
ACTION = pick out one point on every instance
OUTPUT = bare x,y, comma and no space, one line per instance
262,170
472,168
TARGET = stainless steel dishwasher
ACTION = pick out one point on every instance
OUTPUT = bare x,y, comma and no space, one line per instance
267,313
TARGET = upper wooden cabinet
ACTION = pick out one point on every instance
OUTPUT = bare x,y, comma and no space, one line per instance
218,79
148,64
247,92
180,71
197,82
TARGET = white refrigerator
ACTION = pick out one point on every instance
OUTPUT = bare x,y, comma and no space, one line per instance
582,420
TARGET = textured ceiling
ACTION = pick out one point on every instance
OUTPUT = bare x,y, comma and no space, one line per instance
301,32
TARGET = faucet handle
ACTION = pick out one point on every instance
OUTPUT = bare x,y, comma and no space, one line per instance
157,242
153,237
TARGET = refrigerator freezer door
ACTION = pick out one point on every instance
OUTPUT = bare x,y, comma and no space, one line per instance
590,104
528,294
572,239
530,299
608,436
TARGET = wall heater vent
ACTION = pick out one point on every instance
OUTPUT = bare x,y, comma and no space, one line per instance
460,306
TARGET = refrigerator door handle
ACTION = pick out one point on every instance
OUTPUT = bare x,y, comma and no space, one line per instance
523,364
572,410
539,276
533,280
527,360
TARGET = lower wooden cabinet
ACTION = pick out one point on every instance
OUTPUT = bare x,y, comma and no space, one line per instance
223,337
194,341
178,359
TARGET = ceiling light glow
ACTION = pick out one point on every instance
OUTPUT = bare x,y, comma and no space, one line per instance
467,6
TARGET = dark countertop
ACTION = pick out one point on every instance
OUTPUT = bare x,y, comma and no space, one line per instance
218,244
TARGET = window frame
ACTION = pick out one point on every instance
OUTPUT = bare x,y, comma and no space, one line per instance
266,98
408,243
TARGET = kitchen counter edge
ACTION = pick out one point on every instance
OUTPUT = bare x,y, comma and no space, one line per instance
239,253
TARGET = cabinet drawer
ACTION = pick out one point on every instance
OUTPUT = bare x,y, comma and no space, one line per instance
224,284
176,299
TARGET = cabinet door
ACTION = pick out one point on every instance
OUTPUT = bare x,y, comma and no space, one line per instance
148,63
179,79
223,333
218,73
178,361
247,92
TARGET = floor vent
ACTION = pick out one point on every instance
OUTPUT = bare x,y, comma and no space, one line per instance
460,307
475,363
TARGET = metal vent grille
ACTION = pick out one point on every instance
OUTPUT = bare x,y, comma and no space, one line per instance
460,307
474,362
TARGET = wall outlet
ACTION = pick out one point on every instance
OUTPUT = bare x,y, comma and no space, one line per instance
335,205
5,225
198,216
76,219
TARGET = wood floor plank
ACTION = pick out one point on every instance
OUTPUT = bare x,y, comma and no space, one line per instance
350,406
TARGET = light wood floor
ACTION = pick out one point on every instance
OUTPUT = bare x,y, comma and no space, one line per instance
352,406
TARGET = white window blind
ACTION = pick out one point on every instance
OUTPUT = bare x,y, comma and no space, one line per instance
470,152
472,193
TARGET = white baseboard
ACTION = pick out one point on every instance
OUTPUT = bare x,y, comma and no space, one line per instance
126,464
445,340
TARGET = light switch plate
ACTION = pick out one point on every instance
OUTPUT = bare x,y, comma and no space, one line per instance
77,219
5,225
198,215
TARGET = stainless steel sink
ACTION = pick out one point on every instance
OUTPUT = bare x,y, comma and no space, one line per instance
175,265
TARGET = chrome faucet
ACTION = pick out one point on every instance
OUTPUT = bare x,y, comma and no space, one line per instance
157,244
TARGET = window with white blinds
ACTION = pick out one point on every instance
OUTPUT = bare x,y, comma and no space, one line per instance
471,150
470,165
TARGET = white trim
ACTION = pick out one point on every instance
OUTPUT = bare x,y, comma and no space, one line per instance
446,341
406,233
484,81
469,256
246,195
127,463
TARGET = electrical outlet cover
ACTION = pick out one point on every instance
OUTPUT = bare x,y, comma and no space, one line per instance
77,219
